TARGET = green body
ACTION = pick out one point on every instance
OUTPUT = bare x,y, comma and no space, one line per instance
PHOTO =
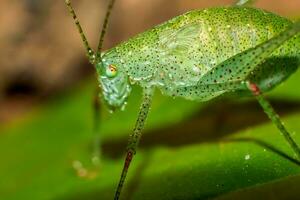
199,55
180,52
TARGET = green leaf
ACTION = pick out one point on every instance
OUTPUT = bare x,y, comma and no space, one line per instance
285,188
208,170
288,89
38,150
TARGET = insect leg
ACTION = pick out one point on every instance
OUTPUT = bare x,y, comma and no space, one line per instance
244,2
89,51
238,67
206,92
269,110
135,137
96,157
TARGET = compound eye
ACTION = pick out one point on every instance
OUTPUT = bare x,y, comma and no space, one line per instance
111,71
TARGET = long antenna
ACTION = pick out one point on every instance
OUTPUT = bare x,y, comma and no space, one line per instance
103,31
93,58
89,51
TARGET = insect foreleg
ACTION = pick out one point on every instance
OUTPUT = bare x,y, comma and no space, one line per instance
96,157
273,116
89,51
135,137
244,2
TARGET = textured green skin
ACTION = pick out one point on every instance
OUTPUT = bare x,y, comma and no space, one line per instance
176,55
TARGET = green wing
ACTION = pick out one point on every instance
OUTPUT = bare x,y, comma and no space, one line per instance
176,42
238,67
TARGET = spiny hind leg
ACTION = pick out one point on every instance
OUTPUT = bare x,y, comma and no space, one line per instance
269,110
240,66
205,92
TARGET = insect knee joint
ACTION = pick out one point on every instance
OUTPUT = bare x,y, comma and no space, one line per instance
253,88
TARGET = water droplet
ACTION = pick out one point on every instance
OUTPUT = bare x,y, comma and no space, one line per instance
247,157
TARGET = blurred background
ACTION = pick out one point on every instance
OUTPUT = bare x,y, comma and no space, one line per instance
42,54
47,87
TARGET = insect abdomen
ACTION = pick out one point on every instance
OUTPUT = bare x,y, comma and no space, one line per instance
222,33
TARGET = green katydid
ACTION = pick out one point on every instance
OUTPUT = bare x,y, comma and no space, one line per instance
199,55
